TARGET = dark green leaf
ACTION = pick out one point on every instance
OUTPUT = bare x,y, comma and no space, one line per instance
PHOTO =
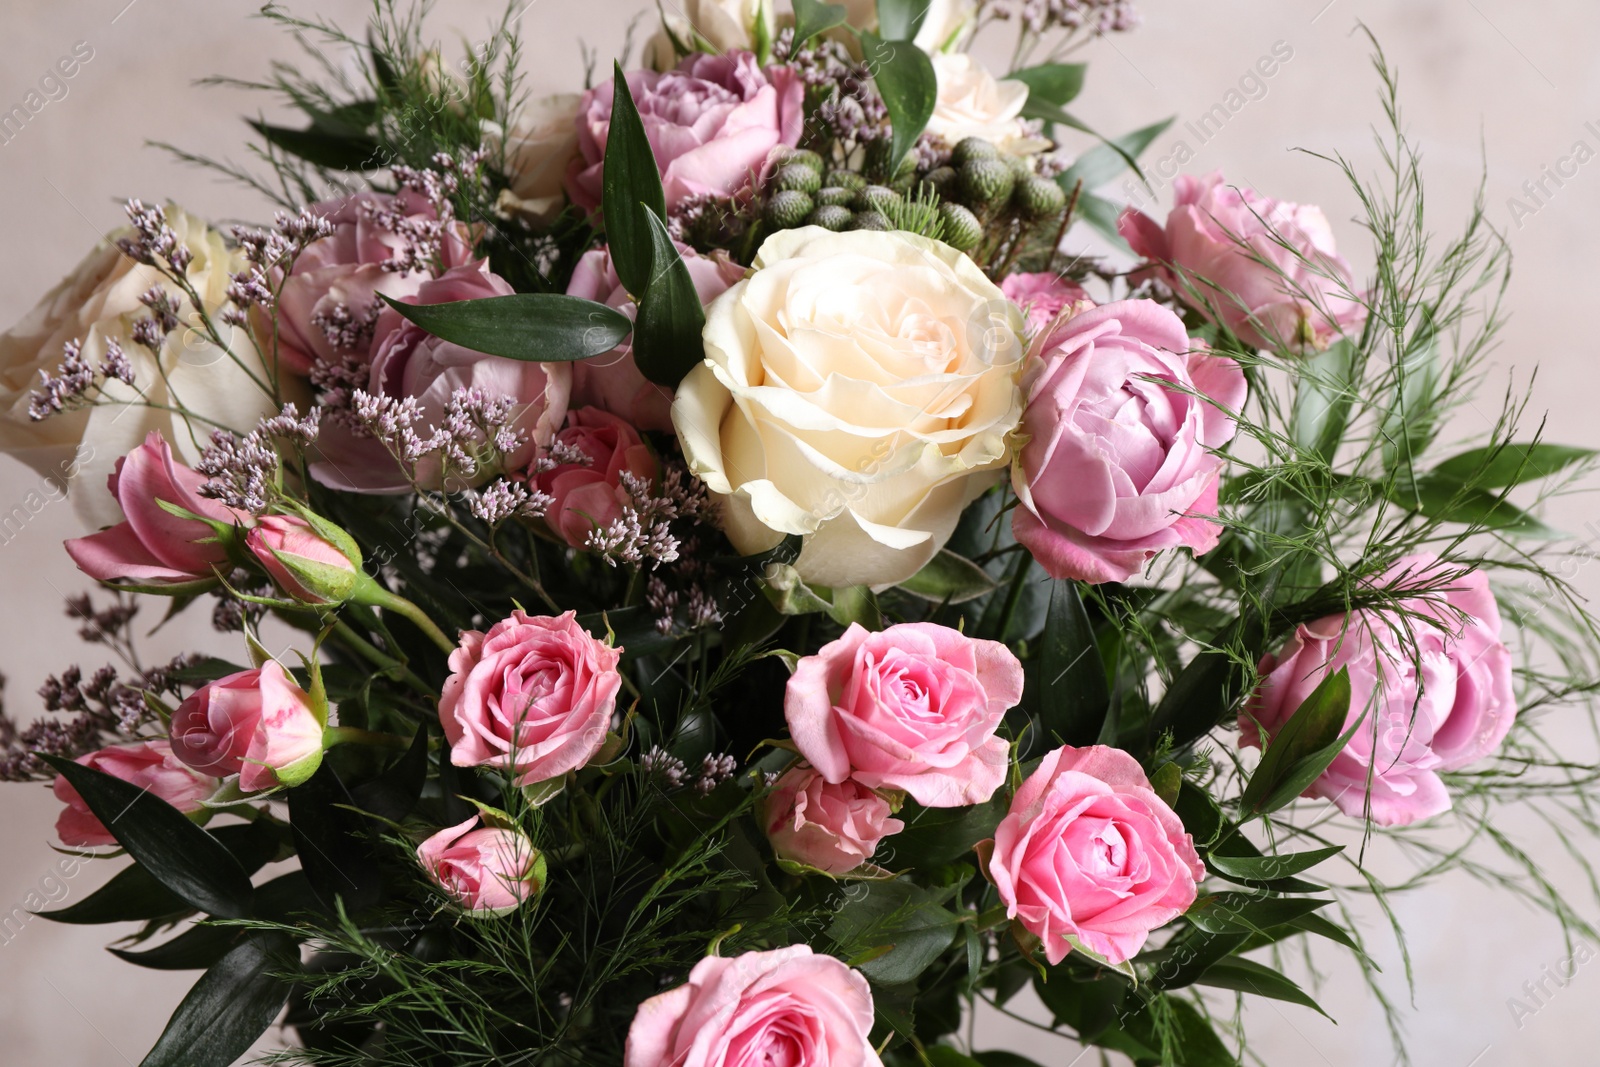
336,845
936,836
949,579
1248,976
945,1056
812,17
1269,868
1512,464
131,894
196,948
331,149
208,669
905,79
901,20
1241,913
232,1005
1302,748
1444,499
895,931
1211,684
667,340
537,327
1191,955
632,190
1074,695
1193,1040
1103,162
1052,83
394,793
1004,1059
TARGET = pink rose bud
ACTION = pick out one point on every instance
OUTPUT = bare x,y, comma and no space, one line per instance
1089,851
787,1006
914,708
256,723
306,565
151,766
586,497
488,871
153,545
1118,465
534,696
1419,724
1042,297
833,828
1267,268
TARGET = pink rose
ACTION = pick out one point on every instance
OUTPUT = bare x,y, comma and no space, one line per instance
534,695
152,545
588,497
407,361
788,1006
1042,297
1225,248
612,382
1118,467
151,766
255,723
711,124
329,303
305,565
1089,851
832,827
1452,710
487,871
914,707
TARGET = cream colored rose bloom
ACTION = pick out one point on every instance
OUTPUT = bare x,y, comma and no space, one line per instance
945,25
725,25
859,390
542,141
974,103
98,302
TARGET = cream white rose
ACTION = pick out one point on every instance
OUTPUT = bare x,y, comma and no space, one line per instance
724,25
542,141
99,302
974,103
944,26
859,389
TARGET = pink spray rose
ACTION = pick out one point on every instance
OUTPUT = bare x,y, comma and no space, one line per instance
1089,851
1117,466
487,871
407,361
832,827
151,766
534,695
711,123
788,1006
1225,248
588,497
1042,297
292,552
255,723
1436,697
612,382
152,545
329,303
913,707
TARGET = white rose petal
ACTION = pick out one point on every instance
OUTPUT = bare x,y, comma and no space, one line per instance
542,141
973,103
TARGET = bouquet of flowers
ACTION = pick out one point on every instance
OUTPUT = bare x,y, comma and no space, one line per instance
715,579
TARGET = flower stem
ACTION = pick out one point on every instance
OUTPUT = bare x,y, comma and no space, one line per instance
371,593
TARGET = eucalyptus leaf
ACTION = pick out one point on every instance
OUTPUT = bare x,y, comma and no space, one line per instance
534,327
631,188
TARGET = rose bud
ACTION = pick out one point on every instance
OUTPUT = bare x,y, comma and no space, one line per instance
488,871
150,765
832,828
306,559
255,723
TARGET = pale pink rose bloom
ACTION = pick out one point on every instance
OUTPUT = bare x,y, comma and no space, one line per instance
611,381
407,361
275,538
534,695
1225,248
487,871
1437,695
786,1006
257,723
152,545
712,123
1089,851
913,707
589,497
1042,297
834,827
151,766
1118,463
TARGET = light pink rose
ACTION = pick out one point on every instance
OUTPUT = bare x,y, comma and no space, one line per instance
834,827
788,1006
284,544
711,123
1042,297
151,766
152,545
611,381
1089,851
534,695
589,497
1448,713
914,707
1225,247
1117,466
255,723
329,303
487,871
407,361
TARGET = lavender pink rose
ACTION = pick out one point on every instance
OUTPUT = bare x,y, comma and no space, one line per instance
831,827
485,870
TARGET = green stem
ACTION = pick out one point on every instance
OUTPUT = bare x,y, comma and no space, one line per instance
370,652
370,592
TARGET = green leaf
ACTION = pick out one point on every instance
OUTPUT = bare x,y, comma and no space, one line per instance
1100,215
132,894
335,843
1191,1036
331,149
631,181
894,932
233,1004
1038,109
901,20
1248,976
180,855
1004,1059
1323,398
1242,913
905,79
936,836
1210,684
812,17
1166,782
1052,83
196,948
1497,467
1303,747
1103,162
1444,499
536,327
945,1056
1270,868
949,579
1074,696
667,341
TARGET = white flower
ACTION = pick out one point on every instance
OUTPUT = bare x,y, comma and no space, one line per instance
859,389
974,103
542,141
714,25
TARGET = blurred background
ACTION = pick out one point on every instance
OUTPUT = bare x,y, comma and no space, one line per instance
1494,90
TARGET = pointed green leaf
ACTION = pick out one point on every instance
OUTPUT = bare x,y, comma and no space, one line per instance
1444,499
1270,868
949,579
1103,162
905,79
1073,694
1241,913
332,149
1512,464
131,895
1248,976
197,948
233,1004
1302,748
667,341
537,327
812,17
631,181
901,20
1057,84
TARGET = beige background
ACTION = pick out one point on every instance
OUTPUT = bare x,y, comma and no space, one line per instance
1514,80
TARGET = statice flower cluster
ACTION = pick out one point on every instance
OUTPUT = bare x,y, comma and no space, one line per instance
69,387
715,768
1098,17
243,472
476,429
506,498
846,103
422,238
153,242
642,535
